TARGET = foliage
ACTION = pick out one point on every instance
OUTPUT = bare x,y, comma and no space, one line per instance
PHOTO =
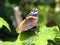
3,22
48,31
44,34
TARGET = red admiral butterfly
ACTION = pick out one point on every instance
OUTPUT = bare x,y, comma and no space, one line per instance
30,21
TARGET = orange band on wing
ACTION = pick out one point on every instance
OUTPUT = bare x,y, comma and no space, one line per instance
34,17
21,24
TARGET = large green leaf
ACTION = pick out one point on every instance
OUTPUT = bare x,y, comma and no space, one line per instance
3,22
45,34
40,40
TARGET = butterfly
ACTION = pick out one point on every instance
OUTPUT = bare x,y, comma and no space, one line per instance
30,21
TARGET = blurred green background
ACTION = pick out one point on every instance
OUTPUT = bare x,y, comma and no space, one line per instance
48,14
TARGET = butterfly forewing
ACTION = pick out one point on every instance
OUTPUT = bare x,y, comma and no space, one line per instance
30,21
29,24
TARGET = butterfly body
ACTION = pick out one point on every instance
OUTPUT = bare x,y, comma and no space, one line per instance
30,21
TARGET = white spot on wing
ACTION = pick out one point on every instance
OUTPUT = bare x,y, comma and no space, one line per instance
34,12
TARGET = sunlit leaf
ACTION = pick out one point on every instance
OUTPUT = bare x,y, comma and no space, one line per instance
3,22
40,40
45,34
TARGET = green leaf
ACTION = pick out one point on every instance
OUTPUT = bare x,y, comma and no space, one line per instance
25,38
3,22
8,43
45,34
50,32
40,40
58,36
18,41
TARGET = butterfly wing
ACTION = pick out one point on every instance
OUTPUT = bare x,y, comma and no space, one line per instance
30,21
34,12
